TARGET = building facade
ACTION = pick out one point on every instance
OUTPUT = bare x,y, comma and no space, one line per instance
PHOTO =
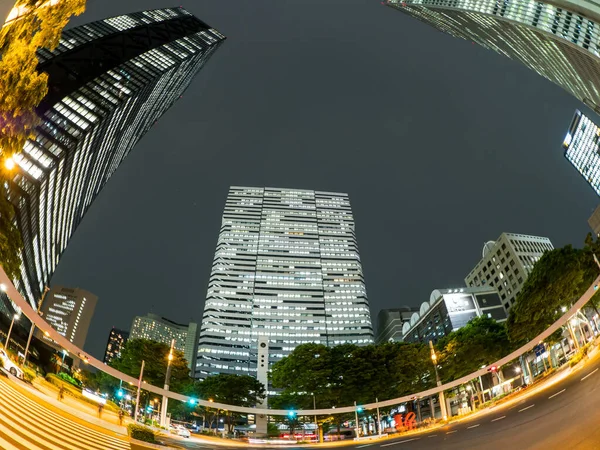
559,40
594,222
287,267
506,263
582,147
69,311
391,321
163,330
450,309
109,82
116,341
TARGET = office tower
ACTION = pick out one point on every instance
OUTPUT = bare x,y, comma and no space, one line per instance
450,309
116,341
286,267
506,263
163,330
390,322
594,222
69,311
559,41
109,82
581,149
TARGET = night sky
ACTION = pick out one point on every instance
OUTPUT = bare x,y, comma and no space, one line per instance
440,144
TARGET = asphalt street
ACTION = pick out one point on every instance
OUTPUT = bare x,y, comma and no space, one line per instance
564,415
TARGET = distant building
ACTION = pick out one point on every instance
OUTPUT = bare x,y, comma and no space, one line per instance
163,330
69,311
582,149
506,263
594,222
116,341
287,267
450,309
390,322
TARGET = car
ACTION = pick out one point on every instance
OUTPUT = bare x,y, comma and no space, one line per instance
179,430
10,366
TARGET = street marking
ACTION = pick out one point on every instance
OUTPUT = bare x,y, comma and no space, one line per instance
590,374
400,442
453,431
366,445
473,426
558,393
498,418
527,407
433,435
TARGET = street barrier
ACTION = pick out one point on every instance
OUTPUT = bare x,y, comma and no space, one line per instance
32,315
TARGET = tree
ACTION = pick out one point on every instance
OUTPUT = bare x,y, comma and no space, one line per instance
239,390
10,236
155,355
557,279
480,342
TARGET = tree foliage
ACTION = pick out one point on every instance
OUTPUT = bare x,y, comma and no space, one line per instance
481,342
557,280
155,357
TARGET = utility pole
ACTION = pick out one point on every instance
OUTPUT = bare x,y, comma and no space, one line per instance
316,423
46,289
12,322
378,418
163,409
137,398
356,418
442,398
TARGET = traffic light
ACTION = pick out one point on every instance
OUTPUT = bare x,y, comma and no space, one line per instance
493,369
291,414
149,409
359,409
120,393
192,401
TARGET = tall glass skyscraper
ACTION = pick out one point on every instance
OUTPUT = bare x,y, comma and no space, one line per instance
558,40
286,267
582,149
109,81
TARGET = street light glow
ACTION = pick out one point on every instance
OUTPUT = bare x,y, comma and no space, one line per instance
3,287
9,163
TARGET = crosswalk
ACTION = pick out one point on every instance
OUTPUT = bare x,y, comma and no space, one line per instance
30,425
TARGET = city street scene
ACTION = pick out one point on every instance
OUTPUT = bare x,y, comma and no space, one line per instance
215,295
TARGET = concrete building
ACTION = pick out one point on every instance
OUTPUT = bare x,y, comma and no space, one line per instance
163,330
109,81
557,39
69,311
286,267
391,321
116,341
594,222
582,149
450,309
506,263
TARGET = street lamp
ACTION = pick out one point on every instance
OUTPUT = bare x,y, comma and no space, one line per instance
442,399
163,411
12,322
9,163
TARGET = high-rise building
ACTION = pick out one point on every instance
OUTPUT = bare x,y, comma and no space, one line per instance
506,263
450,309
287,268
559,40
594,222
391,321
109,82
116,341
69,311
581,146
163,330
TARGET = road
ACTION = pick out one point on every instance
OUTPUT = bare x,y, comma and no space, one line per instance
26,423
564,415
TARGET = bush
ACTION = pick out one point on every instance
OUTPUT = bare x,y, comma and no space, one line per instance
69,379
141,433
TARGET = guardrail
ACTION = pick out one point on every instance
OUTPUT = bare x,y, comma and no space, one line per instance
32,315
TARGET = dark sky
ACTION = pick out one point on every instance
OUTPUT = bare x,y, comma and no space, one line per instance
441,145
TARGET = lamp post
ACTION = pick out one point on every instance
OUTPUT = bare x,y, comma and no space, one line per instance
316,423
163,410
64,353
12,322
356,418
378,418
46,289
442,399
139,389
